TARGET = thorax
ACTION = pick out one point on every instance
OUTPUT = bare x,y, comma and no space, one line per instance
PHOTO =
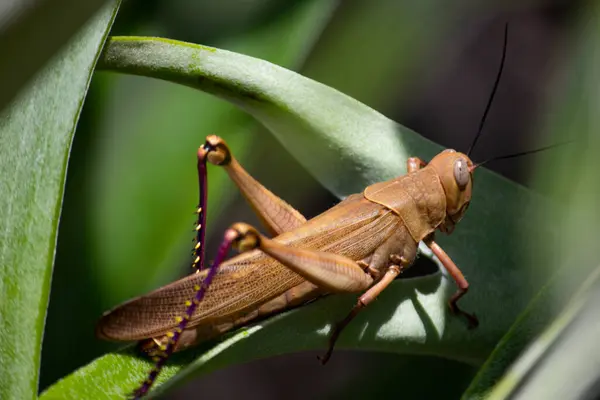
417,198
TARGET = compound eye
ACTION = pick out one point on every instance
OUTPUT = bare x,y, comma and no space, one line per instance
461,173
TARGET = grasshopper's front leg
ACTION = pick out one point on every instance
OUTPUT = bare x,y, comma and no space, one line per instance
457,275
414,164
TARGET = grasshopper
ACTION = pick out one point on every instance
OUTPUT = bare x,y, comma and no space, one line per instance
359,246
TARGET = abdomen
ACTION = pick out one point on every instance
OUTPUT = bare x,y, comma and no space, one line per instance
252,284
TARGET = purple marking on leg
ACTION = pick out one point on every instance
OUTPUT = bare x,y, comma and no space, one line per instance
199,295
228,239
203,191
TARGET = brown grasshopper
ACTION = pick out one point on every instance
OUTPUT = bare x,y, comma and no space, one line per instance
360,245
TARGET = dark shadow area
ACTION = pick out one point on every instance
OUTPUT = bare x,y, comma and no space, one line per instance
592,392
393,374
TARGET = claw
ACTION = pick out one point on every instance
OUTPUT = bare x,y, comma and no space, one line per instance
472,320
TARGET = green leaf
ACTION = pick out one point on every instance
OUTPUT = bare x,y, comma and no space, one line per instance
543,308
35,138
31,32
347,146
558,363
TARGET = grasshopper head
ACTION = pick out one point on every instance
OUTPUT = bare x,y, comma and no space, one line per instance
455,170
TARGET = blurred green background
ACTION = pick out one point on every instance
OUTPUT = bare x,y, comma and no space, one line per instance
131,187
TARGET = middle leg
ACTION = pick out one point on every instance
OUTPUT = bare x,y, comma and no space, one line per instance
363,301
461,282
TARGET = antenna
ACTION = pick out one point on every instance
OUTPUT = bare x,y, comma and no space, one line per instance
491,99
521,153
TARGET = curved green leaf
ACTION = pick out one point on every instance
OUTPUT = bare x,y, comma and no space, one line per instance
35,138
337,123
347,146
